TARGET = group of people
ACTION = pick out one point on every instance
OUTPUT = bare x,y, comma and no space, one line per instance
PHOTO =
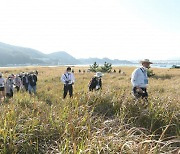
26,81
68,80
139,80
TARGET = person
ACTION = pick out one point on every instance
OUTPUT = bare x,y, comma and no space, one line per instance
96,83
32,83
36,72
139,80
68,81
2,86
25,81
9,86
17,82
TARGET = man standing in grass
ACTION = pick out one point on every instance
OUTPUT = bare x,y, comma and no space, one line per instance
139,80
32,83
68,81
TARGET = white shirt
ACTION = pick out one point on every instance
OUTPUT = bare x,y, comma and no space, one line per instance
2,82
139,77
68,77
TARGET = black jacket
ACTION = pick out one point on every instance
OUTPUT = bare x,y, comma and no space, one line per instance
94,82
32,80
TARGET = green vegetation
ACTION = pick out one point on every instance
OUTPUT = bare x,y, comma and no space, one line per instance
109,121
94,67
107,67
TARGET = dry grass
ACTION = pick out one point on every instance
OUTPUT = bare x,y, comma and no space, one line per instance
109,121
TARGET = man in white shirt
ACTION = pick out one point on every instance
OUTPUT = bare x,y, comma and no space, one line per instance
139,80
68,81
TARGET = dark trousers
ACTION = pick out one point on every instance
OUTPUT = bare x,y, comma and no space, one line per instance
9,95
140,95
18,88
26,86
68,88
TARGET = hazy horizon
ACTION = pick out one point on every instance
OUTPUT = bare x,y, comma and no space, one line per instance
117,29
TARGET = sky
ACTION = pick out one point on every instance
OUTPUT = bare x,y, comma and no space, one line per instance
117,29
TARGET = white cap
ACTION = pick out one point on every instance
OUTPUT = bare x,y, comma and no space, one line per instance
98,74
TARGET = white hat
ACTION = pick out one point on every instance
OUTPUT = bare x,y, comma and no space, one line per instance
98,74
145,61
10,76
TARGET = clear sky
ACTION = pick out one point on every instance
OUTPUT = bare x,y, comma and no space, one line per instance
123,29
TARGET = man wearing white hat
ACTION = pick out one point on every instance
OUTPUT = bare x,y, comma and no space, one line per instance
139,80
96,83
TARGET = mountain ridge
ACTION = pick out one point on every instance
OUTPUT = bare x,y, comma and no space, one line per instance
16,55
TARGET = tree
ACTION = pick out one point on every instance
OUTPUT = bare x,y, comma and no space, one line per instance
94,67
106,68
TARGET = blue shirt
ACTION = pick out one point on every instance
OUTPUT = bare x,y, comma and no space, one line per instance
139,78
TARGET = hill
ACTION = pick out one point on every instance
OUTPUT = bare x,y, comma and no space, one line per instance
18,55
102,61
15,55
62,58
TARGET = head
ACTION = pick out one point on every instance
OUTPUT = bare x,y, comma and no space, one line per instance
10,76
146,63
68,69
98,75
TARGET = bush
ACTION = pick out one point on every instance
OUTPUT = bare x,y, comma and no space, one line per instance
106,68
94,67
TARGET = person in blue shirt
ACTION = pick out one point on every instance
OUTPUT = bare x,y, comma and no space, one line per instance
139,80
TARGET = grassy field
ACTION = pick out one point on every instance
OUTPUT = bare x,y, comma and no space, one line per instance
109,121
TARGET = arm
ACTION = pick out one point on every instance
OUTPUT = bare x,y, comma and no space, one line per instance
72,78
35,78
100,83
134,78
63,79
134,81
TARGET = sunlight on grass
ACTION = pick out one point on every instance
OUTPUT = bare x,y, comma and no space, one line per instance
109,121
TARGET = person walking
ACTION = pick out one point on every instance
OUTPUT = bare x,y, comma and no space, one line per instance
17,82
139,80
2,86
68,81
25,81
32,83
96,83
9,86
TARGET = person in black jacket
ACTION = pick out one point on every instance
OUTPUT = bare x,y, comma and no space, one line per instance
25,81
32,83
96,83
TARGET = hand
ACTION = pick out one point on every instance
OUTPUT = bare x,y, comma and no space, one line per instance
139,90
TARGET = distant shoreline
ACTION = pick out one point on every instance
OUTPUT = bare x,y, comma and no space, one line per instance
115,65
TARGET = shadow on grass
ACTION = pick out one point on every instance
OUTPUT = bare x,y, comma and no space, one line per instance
106,109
